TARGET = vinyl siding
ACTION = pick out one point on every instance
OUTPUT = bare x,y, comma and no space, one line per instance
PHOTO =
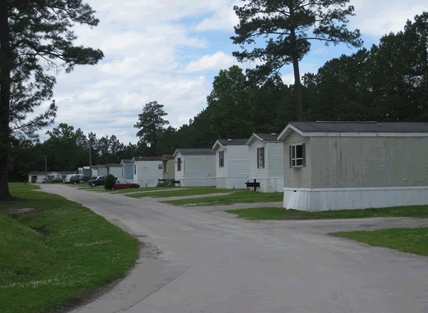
351,162
116,171
198,170
257,173
148,172
221,171
170,170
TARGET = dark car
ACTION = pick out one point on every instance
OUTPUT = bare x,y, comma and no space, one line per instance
75,179
85,178
99,181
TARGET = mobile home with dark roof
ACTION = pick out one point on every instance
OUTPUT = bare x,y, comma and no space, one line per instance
266,161
354,165
232,169
194,167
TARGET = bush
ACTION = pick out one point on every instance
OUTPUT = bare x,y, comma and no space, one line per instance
33,181
161,184
109,182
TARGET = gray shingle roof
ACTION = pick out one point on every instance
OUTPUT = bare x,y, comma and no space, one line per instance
268,137
126,160
195,151
232,142
148,158
360,127
113,165
44,173
167,157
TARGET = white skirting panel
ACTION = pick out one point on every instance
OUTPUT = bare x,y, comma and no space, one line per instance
325,199
271,184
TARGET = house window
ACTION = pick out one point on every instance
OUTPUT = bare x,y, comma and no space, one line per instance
178,164
164,166
33,178
221,158
260,157
297,155
135,169
159,166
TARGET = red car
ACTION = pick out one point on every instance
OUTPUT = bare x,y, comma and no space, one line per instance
123,184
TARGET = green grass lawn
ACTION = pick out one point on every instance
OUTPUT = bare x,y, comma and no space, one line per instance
241,196
412,240
269,213
56,253
192,191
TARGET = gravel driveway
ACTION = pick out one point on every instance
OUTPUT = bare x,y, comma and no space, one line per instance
212,263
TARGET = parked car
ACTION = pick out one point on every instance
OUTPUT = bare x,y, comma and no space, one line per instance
122,184
67,178
52,180
85,178
99,181
75,179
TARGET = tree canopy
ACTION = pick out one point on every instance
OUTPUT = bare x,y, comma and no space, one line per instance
289,26
36,37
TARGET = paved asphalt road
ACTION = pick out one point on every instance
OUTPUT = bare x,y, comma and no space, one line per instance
214,263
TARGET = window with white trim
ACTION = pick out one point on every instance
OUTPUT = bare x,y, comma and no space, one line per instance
178,164
135,169
164,166
221,158
297,155
261,157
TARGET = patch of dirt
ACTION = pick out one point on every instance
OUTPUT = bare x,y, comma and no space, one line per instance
147,250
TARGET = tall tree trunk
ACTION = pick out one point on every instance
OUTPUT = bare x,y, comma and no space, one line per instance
297,83
5,73
298,90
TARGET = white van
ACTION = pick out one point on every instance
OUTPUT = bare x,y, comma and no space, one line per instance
67,178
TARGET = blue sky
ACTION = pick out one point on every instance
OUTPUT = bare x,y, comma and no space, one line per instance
170,51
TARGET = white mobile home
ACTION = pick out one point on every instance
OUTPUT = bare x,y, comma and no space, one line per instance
102,170
232,170
147,170
354,165
115,170
195,167
266,161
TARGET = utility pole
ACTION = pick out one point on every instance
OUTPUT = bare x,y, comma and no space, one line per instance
90,161
46,165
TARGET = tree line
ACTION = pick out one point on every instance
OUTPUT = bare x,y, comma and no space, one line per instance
386,83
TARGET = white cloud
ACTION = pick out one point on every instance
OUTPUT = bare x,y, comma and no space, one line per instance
319,51
379,17
223,19
216,61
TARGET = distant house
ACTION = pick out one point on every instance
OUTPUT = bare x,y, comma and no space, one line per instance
102,170
266,161
168,167
87,170
147,170
127,169
232,170
195,167
39,176
354,165
114,169
94,172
